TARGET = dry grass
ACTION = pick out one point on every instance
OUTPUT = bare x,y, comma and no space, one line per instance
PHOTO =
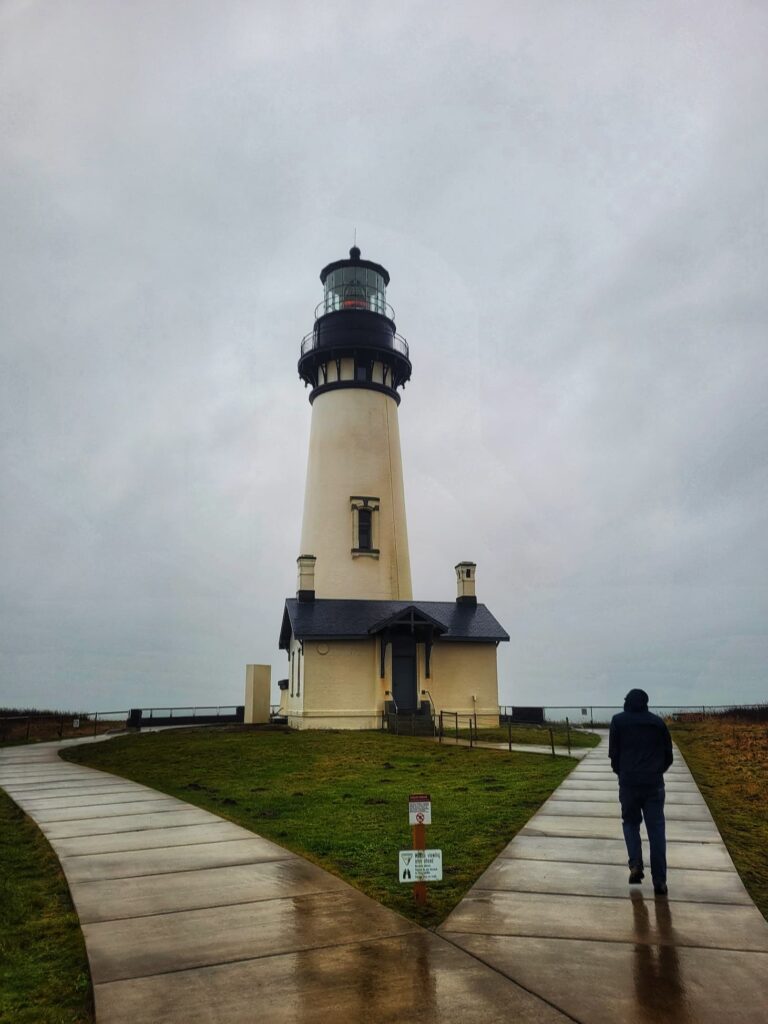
729,760
18,727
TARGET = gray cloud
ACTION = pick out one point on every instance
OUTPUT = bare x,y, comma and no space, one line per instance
572,203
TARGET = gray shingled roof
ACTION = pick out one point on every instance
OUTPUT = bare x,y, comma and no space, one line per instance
353,620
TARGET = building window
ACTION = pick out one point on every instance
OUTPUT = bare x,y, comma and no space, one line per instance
363,372
364,529
365,513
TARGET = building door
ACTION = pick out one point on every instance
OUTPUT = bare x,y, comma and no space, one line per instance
404,688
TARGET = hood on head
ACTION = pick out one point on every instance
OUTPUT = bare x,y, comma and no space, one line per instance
636,700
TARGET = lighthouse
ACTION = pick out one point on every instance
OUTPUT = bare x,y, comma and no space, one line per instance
361,651
356,364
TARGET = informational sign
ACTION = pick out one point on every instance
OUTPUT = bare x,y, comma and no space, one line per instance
419,809
421,866
583,711
75,723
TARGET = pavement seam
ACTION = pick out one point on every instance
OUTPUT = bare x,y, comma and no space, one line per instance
611,817
106,817
104,803
608,794
178,871
119,832
607,896
142,849
212,906
266,956
604,864
539,834
609,942
70,792
53,777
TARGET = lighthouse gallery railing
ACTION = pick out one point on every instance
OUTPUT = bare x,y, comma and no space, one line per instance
310,341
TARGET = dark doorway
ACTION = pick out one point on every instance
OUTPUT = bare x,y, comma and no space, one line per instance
404,672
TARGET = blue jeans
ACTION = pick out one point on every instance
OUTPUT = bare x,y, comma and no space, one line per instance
646,803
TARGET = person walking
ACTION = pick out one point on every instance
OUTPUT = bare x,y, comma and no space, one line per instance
640,750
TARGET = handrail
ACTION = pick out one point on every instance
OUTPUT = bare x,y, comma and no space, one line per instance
757,706
311,341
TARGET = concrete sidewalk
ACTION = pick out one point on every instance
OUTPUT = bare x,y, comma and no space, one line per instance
555,913
189,918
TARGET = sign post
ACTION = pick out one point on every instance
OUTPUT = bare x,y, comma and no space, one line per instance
419,816
420,843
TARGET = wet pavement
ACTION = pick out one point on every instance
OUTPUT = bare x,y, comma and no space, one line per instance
189,918
554,913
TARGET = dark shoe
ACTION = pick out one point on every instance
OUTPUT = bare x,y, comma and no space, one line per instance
636,874
660,888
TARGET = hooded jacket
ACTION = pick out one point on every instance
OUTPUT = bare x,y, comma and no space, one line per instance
639,744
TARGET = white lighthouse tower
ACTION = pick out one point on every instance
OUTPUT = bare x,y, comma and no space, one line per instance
354,503
361,652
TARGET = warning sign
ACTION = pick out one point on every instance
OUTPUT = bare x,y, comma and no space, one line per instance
421,865
419,809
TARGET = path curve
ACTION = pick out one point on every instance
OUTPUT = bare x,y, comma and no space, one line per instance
190,918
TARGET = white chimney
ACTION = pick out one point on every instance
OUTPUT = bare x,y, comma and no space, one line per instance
465,583
305,588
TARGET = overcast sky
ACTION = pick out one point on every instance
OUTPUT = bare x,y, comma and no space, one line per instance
571,200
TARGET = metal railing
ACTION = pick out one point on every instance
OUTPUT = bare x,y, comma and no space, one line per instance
210,714
311,341
207,709
53,725
599,715
450,721
456,717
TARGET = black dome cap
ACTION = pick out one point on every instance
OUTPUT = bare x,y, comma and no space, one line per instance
354,261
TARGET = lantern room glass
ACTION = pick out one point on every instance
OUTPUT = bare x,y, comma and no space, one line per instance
354,287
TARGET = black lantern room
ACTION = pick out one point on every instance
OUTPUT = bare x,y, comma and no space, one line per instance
354,321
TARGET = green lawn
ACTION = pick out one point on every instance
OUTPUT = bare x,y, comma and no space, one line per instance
729,760
531,735
44,976
341,798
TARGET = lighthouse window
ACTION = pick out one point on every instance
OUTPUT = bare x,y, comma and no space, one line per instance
364,526
353,288
365,533
362,371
